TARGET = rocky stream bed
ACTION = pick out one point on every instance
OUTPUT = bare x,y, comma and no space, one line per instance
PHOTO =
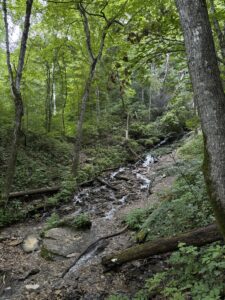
30,276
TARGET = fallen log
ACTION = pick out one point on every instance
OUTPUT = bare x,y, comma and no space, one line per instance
196,237
48,190
102,181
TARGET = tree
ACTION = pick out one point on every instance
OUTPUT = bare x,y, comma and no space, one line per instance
209,96
15,83
94,59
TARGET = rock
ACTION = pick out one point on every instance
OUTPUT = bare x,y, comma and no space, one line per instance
15,242
32,287
65,242
29,273
72,255
30,243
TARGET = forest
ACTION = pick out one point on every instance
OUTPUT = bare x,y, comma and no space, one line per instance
112,159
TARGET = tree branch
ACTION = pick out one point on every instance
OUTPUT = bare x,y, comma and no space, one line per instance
23,44
87,30
4,7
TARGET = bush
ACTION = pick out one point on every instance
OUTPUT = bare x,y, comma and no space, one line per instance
79,222
193,274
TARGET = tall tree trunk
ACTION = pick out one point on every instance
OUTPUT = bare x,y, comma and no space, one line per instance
65,92
79,136
48,108
98,111
14,148
149,103
94,60
219,33
16,94
210,98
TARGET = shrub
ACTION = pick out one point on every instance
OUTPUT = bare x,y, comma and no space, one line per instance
193,273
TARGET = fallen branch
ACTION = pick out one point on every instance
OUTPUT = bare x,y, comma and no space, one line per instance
91,246
121,177
197,237
47,190
102,181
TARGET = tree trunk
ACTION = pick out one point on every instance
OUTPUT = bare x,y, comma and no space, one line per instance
98,110
197,237
16,94
149,103
48,108
219,33
77,146
11,165
210,98
47,190
94,60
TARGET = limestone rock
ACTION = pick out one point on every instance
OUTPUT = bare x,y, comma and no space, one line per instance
30,243
64,241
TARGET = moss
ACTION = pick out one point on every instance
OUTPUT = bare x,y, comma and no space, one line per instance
46,254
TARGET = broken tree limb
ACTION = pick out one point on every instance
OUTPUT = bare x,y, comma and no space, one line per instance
102,181
48,190
91,246
196,237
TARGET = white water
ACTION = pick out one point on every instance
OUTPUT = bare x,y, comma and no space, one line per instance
78,198
145,181
109,215
148,161
117,172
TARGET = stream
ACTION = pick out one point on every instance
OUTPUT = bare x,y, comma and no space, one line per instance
127,188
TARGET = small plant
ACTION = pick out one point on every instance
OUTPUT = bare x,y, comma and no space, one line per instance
194,273
82,221
52,222
136,218
79,222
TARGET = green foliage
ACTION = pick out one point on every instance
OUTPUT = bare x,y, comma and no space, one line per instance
79,222
188,194
53,221
14,212
193,273
136,218
192,149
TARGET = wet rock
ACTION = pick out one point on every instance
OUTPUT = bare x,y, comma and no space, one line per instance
30,243
64,241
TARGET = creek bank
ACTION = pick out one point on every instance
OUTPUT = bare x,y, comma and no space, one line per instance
87,279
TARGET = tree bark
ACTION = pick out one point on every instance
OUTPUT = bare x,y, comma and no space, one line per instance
209,96
79,136
16,94
219,33
197,237
48,107
47,190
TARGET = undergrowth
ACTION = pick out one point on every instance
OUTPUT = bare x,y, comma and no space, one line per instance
191,273
183,206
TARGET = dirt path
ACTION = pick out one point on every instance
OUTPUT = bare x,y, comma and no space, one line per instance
30,276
